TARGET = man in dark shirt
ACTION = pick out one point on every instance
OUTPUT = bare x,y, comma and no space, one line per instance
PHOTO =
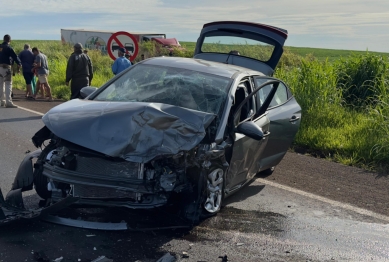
27,58
7,55
79,70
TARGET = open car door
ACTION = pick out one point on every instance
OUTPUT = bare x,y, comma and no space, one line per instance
285,116
250,45
250,138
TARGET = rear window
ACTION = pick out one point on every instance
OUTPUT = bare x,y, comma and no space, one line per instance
242,46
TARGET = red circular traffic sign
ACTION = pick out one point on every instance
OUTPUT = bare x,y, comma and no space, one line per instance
122,39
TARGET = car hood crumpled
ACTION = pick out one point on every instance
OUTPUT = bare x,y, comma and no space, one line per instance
134,131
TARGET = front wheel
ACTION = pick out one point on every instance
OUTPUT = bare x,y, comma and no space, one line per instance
214,191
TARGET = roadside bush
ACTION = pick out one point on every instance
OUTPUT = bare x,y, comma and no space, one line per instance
153,49
329,127
289,60
360,78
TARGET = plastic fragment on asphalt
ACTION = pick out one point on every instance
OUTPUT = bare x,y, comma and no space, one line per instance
85,224
185,254
167,258
58,259
102,259
239,244
94,248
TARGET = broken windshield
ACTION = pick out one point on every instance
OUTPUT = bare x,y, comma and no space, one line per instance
167,85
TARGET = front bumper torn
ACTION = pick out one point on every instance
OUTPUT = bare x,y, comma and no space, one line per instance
12,208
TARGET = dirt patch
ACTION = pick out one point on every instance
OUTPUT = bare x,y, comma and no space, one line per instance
335,181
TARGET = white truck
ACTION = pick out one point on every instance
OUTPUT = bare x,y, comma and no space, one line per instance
91,39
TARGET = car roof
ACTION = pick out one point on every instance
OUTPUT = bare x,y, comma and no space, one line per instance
199,65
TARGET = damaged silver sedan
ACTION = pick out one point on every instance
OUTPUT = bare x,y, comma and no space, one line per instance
170,131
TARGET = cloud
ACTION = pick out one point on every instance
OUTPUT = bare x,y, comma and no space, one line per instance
330,19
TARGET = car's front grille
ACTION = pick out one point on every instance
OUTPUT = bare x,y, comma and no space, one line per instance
105,167
86,191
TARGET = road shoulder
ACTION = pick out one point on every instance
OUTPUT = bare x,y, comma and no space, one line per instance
358,187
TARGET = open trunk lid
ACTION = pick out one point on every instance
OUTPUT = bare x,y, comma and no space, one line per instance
260,46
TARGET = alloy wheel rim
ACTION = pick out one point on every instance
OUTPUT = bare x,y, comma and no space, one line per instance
214,191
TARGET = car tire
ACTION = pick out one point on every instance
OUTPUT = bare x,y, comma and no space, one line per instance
41,181
214,191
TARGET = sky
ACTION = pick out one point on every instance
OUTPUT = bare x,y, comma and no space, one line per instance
333,24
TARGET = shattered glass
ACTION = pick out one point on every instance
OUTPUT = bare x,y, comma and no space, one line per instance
172,86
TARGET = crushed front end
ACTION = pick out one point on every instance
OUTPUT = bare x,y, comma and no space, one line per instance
152,156
65,169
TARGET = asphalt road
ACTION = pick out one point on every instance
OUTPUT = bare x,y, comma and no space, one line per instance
16,129
307,210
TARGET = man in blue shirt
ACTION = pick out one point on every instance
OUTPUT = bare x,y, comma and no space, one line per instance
121,63
6,54
27,58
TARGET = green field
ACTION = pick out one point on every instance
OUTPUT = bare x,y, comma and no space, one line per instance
344,96
330,54
321,54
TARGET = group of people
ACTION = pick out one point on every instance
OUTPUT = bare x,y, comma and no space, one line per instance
34,64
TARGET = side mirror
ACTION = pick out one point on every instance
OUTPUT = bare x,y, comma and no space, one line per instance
86,91
250,129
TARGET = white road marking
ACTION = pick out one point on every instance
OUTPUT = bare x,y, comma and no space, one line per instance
349,207
31,111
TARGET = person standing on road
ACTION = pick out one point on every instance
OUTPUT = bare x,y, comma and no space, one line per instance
42,67
121,63
79,70
27,58
6,54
